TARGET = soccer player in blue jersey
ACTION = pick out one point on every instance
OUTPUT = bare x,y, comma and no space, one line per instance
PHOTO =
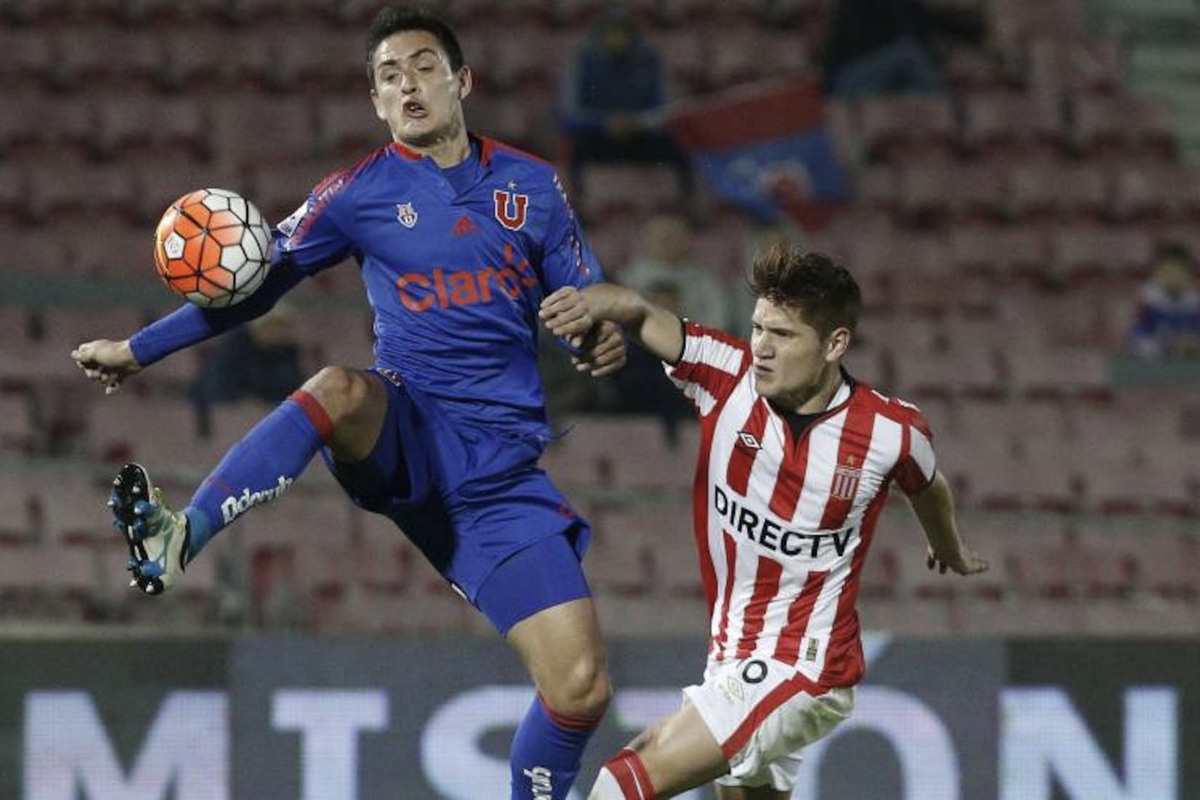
458,238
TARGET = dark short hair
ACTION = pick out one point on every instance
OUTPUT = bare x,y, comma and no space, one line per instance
398,19
823,291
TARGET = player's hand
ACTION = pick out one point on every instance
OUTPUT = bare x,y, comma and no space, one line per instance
602,350
565,313
967,562
106,361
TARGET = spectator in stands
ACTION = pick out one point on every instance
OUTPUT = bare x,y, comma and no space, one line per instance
1168,318
611,103
260,360
891,46
640,385
666,259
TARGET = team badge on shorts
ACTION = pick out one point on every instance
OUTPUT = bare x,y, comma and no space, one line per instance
406,214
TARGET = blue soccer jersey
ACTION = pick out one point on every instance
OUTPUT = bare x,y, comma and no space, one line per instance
454,273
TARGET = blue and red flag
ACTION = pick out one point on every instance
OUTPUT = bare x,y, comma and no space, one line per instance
765,148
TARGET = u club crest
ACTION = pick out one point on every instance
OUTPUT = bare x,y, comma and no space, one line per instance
510,208
406,214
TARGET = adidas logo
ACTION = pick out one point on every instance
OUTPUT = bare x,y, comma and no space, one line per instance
464,226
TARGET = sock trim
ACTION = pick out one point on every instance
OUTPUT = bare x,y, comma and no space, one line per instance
566,721
315,412
629,772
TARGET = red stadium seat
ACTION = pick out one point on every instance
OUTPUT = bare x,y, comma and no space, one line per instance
178,134
1082,253
906,126
71,194
1076,373
253,131
999,253
107,58
936,193
1115,125
1012,126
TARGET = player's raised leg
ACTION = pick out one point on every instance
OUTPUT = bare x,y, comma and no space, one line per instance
539,599
338,407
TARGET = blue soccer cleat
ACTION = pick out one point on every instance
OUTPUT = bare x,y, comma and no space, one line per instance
156,535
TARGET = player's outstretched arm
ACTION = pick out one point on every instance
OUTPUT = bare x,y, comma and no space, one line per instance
106,361
934,507
571,312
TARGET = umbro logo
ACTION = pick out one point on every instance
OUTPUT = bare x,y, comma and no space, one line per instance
749,440
464,226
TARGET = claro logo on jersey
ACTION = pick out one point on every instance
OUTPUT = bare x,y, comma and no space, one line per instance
446,288
770,535
234,506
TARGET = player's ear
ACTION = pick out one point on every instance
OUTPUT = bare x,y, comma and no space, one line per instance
837,344
464,82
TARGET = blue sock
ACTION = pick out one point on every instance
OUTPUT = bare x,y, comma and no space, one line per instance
258,468
546,752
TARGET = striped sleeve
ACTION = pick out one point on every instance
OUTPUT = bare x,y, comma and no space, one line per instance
918,463
711,365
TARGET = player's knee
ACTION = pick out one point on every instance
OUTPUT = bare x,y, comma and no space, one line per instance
340,391
582,691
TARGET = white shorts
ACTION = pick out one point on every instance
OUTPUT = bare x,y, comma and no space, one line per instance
762,713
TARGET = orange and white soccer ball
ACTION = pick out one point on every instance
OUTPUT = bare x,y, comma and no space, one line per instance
212,247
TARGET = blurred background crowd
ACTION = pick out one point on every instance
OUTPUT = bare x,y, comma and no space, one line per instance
1021,203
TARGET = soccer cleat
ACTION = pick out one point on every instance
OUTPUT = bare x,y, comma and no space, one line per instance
157,536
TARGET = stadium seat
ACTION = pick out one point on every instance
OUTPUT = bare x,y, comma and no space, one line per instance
347,128
55,195
745,56
253,131
1011,126
957,372
1085,253
108,59
206,59
880,579
179,132
126,427
1084,192
622,190
1184,193
1075,373
685,55
29,57
1170,568
36,251
907,126
512,63
1110,126
1067,63
1137,489
157,187
622,616
877,187
999,253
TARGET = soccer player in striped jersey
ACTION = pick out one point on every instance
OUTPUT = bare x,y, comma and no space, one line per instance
796,460
458,238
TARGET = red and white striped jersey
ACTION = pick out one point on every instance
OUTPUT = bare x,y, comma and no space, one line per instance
783,524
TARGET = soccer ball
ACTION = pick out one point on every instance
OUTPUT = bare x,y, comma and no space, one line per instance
212,247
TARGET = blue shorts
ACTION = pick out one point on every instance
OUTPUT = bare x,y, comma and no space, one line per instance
468,497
